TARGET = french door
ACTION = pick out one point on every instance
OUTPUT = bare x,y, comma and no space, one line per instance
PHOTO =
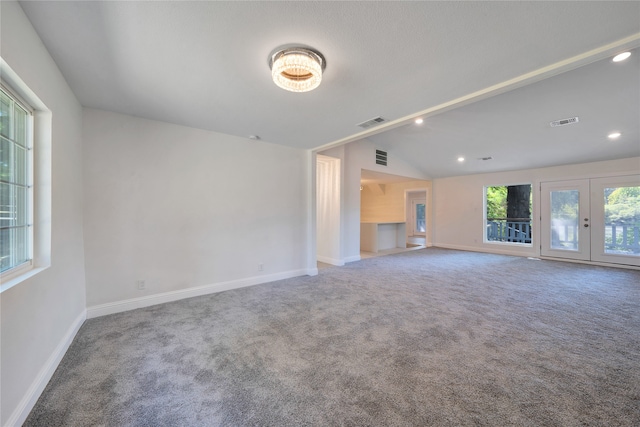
565,221
592,219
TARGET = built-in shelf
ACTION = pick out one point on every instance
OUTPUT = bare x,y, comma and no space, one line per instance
378,236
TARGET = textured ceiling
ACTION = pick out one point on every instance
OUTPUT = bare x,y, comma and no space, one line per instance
204,64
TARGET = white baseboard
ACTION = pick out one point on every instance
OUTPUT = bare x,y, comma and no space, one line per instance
533,256
484,250
352,258
29,400
598,263
331,261
149,300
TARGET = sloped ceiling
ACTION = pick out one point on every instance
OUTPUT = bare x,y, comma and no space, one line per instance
205,65
514,130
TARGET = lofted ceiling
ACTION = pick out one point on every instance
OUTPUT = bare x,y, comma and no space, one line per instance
205,65
513,129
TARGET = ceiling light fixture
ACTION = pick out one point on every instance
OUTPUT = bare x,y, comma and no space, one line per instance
614,135
461,159
297,69
621,56
419,121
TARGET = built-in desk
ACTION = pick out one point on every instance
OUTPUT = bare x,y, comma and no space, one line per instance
378,236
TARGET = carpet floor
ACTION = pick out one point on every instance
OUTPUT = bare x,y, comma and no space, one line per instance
430,337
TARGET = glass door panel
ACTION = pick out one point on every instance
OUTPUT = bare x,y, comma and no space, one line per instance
565,219
418,218
420,225
615,203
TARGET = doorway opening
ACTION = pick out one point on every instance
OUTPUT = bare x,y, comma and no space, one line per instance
416,216
389,223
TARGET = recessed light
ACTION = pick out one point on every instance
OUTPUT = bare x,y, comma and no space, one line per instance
419,121
461,159
621,56
614,135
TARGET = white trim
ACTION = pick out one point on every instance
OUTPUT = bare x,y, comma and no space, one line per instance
331,261
21,276
598,263
352,258
484,250
40,209
29,400
149,300
528,255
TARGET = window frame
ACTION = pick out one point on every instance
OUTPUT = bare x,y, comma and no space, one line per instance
485,238
42,138
24,267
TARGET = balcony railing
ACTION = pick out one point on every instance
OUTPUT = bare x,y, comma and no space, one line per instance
619,238
516,230
622,238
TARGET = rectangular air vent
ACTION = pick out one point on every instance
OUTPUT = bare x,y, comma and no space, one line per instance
373,122
381,157
562,122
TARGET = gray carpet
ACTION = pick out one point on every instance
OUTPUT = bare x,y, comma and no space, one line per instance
430,337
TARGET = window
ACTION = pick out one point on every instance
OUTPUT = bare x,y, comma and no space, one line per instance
508,214
16,197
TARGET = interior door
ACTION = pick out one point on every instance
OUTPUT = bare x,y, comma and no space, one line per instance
615,211
565,221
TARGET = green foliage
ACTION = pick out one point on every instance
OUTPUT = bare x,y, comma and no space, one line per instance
497,202
622,194
564,204
497,205
623,206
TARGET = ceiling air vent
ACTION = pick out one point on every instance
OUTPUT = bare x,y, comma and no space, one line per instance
373,122
381,157
563,122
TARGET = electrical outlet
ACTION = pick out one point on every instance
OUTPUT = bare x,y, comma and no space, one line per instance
260,267
142,285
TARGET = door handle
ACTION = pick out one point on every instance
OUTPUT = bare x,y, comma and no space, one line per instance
586,225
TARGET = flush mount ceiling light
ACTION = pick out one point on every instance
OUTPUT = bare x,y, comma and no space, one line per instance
297,69
419,121
614,135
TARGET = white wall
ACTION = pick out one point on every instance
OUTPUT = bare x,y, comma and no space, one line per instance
182,208
390,206
328,200
40,316
360,155
458,202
